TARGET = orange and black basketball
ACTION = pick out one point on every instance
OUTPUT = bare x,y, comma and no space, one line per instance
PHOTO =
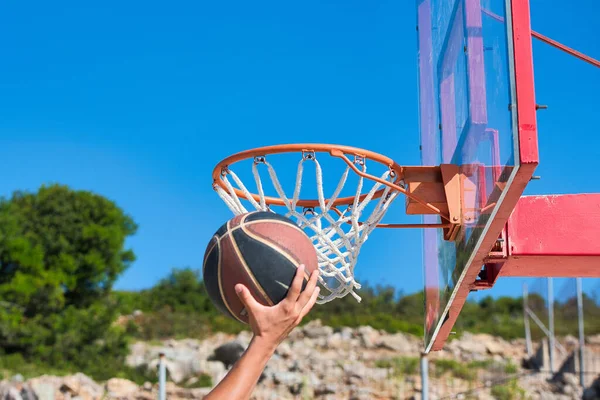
261,250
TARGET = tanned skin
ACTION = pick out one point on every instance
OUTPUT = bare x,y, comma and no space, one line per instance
270,325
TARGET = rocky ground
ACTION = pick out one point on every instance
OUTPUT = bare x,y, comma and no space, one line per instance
316,362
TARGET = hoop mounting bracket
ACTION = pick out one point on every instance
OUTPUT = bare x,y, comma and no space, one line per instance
447,187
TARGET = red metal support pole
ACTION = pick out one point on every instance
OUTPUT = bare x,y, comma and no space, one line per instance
552,42
566,49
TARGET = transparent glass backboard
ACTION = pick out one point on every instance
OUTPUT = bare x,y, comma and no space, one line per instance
465,91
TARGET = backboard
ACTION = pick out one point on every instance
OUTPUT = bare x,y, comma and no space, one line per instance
477,111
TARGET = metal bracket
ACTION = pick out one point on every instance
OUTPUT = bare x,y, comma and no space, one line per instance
493,263
453,182
443,187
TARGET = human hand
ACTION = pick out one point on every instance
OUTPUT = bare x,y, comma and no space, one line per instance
272,324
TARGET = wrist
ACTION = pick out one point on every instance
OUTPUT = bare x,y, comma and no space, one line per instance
264,345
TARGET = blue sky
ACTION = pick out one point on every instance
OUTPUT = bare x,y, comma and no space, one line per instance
138,100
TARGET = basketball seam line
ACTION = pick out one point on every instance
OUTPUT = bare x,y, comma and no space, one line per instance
243,260
223,297
277,221
243,224
274,246
273,221
208,251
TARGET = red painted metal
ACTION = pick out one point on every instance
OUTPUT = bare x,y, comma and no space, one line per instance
554,236
556,225
552,42
552,266
524,82
566,49
528,157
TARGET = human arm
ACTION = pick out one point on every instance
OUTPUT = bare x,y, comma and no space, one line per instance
270,325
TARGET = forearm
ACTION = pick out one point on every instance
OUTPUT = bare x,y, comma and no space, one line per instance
243,377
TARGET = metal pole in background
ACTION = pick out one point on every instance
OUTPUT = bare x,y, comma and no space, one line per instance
581,333
162,378
551,323
528,344
424,377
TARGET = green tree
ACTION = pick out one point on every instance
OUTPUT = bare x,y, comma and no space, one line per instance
183,290
60,253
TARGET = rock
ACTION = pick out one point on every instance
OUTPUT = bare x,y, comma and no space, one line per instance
485,396
28,393
571,341
325,389
467,346
272,393
12,393
244,338
354,372
570,379
361,393
176,371
82,386
182,357
295,367
175,392
191,381
137,354
296,388
228,353
287,378
121,388
277,363
301,349
347,333
284,350
47,387
397,342
296,334
484,343
321,342
368,336
378,374
199,393
293,381
568,390
594,339
314,329
495,348
145,396
215,369
336,341
317,362
17,390
313,380
43,391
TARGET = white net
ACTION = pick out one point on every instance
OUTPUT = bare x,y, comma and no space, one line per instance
336,234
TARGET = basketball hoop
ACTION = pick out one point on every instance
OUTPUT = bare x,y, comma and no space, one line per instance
337,236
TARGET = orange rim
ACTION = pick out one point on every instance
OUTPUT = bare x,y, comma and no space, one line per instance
333,150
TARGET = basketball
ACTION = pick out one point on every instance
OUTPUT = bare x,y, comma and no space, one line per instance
261,250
